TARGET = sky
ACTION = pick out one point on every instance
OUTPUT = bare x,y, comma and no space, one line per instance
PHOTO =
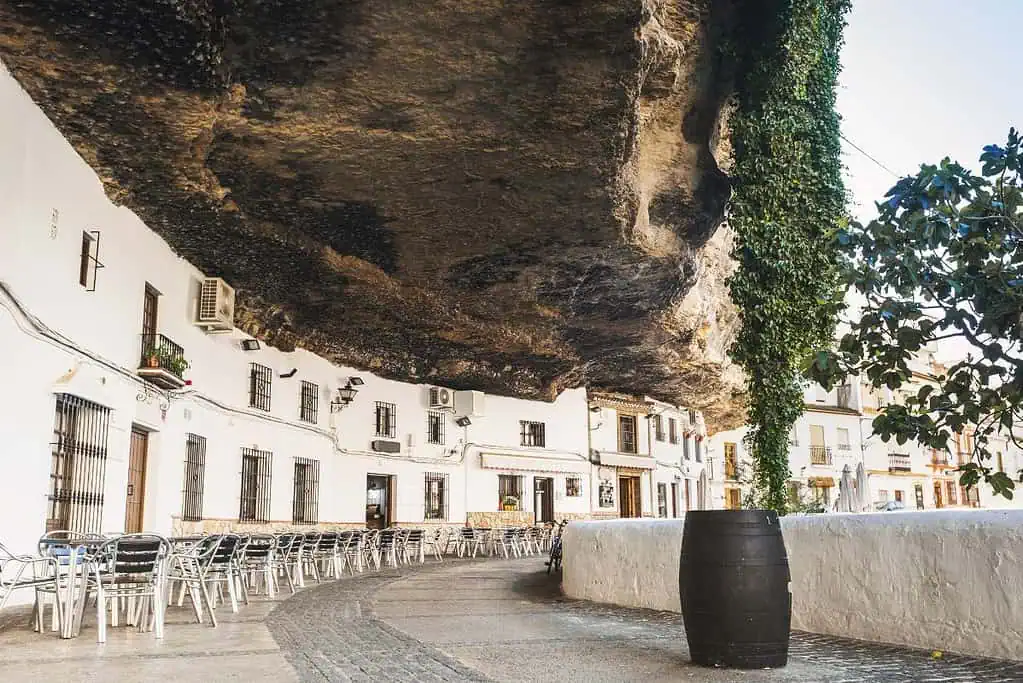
922,80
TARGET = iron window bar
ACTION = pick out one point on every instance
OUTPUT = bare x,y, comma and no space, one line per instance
436,494
305,503
195,474
435,427
78,465
386,419
255,486
310,406
509,486
672,430
260,378
90,265
532,433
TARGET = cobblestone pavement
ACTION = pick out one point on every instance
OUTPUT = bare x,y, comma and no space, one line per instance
506,621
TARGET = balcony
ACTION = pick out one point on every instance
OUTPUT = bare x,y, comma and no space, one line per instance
820,455
899,462
843,396
941,458
163,362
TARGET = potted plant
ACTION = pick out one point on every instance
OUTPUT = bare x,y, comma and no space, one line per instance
176,365
510,503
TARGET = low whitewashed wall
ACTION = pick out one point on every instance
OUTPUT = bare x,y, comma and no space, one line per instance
948,580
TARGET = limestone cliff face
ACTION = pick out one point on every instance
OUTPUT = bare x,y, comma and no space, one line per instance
513,195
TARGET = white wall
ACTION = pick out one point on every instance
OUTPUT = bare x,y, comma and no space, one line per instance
948,580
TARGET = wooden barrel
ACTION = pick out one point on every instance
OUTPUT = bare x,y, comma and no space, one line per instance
734,584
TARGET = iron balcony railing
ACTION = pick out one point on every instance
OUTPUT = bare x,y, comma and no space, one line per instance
160,352
820,455
899,462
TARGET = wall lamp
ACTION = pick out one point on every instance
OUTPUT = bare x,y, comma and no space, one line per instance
594,409
463,421
250,344
345,395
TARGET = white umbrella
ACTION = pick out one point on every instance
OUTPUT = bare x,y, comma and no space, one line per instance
863,488
846,502
701,491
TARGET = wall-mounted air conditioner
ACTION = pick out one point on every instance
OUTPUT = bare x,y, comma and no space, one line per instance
216,305
442,398
472,403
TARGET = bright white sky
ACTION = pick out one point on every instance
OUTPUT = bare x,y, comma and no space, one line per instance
926,79
922,80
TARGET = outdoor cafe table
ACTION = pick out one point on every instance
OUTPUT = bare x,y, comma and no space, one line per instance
75,557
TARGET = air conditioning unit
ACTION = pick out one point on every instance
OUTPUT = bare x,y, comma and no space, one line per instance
216,305
442,398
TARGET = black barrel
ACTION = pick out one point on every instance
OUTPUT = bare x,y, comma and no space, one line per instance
734,584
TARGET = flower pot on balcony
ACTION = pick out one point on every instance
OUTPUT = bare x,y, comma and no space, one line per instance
153,361
733,581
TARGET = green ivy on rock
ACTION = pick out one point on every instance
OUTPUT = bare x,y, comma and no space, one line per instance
787,201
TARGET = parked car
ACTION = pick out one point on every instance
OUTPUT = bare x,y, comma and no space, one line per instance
889,506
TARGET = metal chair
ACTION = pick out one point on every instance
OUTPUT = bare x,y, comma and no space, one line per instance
132,566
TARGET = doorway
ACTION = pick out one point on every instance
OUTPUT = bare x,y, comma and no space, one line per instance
543,499
379,501
918,490
937,495
629,497
674,498
138,454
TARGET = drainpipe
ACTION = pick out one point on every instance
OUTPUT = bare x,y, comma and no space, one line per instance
650,453
589,452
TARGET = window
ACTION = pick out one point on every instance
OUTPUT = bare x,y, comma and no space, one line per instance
950,486
899,496
693,416
1001,465
386,419
255,493
89,265
843,439
662,500
532,433
305,502
882,495
78,465
672,430
698,448
195,470
685,446
259,386
733,499
627,434
435,427
658,427
731,463
310,407
573,487
436,503
509,492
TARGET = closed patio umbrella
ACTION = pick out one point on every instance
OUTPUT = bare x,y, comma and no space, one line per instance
863,488
846,500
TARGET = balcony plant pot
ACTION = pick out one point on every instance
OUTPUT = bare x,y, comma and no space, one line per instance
734,585
153,361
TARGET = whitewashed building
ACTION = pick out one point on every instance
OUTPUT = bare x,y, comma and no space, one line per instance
132,403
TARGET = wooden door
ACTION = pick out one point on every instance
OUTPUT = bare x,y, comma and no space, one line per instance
674,498
628,497
937,495
543,499
136,490
391,500
733,500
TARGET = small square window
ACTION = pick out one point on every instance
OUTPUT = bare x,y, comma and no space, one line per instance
532,434
309,408
435,427
573,487
386,419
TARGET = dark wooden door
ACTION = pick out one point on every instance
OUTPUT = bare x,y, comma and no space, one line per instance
628,492
150,306
136,490
543,498
674,498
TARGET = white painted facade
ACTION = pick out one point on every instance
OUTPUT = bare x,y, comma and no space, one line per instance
60,339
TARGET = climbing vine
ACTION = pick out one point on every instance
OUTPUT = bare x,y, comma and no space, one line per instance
787,201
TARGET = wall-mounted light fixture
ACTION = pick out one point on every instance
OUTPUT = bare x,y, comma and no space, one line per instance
250,344
594,409
463,421
291,373
355,381
345,395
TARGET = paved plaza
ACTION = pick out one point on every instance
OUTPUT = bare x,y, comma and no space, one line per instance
486,620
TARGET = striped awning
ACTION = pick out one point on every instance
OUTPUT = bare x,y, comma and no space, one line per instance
639,462
526,463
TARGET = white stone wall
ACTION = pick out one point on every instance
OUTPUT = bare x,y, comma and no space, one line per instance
945,580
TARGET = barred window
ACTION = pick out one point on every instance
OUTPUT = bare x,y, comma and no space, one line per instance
685,446
78,465
509,492
658,427
573,487
310,402
672,430
436,494
697,449
627,434
195,471
532,433
89,264
305,503
662,500
255,493
435,427
386,419
259,386
693,416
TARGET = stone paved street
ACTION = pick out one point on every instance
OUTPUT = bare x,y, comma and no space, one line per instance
460,621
